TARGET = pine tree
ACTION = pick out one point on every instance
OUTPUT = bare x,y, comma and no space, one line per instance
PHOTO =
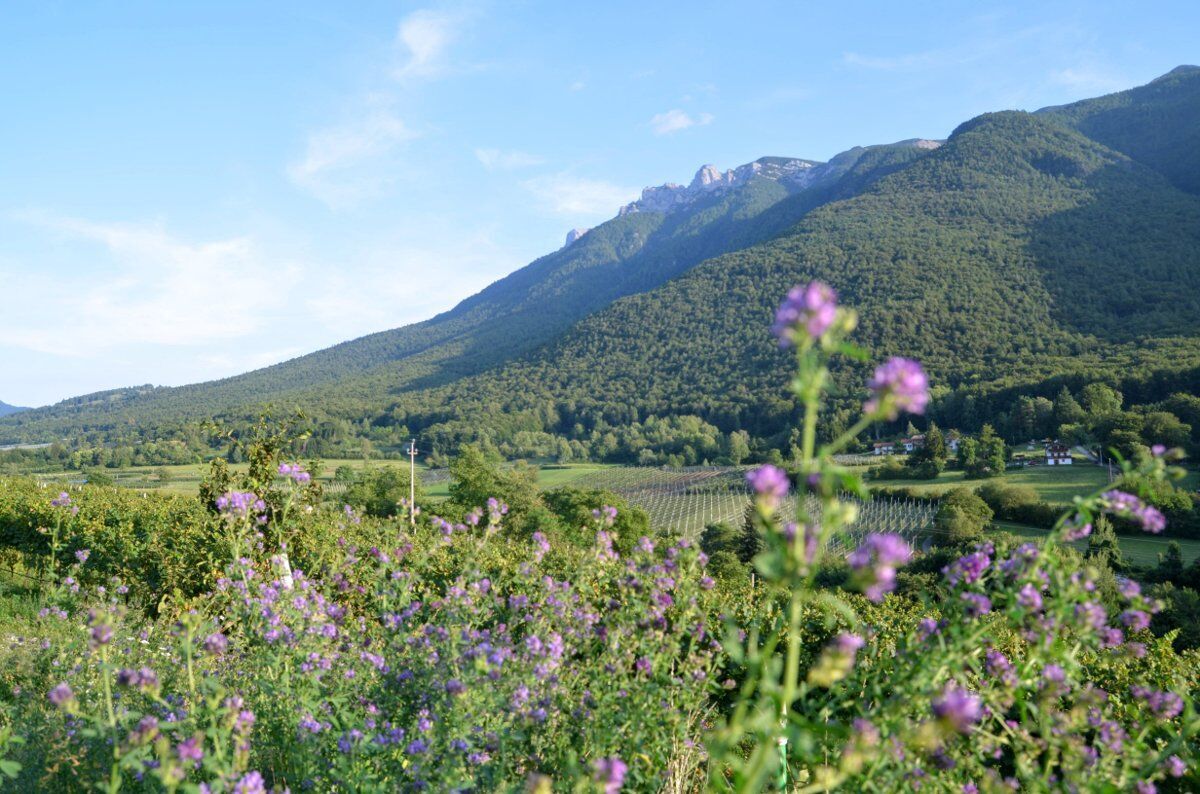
749,541
1104,546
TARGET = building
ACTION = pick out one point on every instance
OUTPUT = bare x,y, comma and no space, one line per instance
1058,454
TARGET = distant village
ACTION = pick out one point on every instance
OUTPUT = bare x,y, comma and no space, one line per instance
1055,453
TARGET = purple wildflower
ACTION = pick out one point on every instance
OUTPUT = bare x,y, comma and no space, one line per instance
610,773
873,564
770,485
899,384
541,546
63,500
958,708
1030,598
1127,505
1162,704
294,472
251,783
976,604
1175,766
1000,667
61,695
808,310
239,504
968,569
1135,619
82,555
215,643
1076,529
190,750
1091,615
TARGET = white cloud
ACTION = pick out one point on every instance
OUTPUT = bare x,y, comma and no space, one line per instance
356,158
146,288
422,40
341,163
675,120
578,85
565,194
501,160
1083,78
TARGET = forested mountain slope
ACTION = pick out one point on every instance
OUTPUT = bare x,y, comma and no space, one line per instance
1157,124
1019,250
1027,247
6,409
643,247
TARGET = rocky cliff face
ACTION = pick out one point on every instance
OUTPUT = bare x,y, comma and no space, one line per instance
574,235
709,179
795,173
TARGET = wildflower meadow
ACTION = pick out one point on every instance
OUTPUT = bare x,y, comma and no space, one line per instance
268,638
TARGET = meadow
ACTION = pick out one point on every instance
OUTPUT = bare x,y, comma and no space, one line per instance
687,500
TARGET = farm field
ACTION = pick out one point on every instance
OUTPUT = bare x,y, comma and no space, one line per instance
689,499
1055,484
1139,550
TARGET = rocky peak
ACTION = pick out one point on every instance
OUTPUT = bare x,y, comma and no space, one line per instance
709,179
574,235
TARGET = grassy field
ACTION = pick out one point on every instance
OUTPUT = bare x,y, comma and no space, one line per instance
186,479
1139,550
1054,484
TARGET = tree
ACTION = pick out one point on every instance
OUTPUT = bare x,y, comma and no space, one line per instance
739,447
575,509
985,458
1103,545
929,461
1067,410
962,517
968,455
1170,564
475,479
1100,399
1164,427
749,540
378,491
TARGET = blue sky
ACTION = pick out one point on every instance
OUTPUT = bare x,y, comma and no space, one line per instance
191,190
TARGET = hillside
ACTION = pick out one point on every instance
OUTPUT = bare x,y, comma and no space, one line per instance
1018,251
6,409
1157,124
1028,247
671,229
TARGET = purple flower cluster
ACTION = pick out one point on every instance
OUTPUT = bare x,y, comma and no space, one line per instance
873,564
899,384
295,472
610,774
770,485
958,708
240,504
809,311
1163,705
61,696
1127,505
968,569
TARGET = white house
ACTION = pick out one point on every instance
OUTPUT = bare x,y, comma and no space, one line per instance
1058,454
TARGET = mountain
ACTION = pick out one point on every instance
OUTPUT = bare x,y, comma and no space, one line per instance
1157,124
6,409
1027,247
668,231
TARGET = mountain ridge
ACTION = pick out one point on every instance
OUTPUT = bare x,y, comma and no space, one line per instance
1015,215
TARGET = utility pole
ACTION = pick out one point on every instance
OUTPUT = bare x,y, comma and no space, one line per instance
412,482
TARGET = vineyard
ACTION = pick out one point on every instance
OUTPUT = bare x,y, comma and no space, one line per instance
689,499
